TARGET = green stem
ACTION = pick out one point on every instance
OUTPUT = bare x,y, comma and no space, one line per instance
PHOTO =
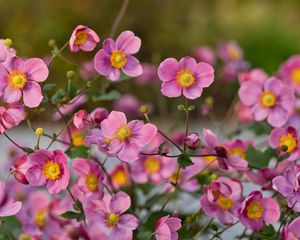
203,229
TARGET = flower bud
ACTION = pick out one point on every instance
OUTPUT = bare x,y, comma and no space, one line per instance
192,140
70,74
52,43
143,109
98,115
8,42
39,132
82,119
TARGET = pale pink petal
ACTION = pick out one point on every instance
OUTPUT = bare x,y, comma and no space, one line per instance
129,152
10,95
10,208
112,123
188,63
171,89
132,68
168,69
36,69
259,112
210,138
81,167
278,117
32,94
102,62
120,203
205,73
271,213
192,92
109,46
128,43
129,221
250,92
35,176
146,134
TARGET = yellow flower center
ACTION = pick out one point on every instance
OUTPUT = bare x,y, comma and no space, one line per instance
77,139
296,75
119,177
113,220
288,140
91,182
267,99
118,59
51,170
123,132
254,210
209,159
152,165
17,80
81,38
234,53
238,151
185,78
40,218
225,203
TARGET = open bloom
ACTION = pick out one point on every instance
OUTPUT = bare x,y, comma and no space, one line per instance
107,219
255,210
11,116
291,231
186,76
126,139
8,207
205,54
285,139
255,74
21,78
83,38
289,186
272,100
230,51
166,228
117,55
234,158
120,176
50,169
91,176
290,72
222,199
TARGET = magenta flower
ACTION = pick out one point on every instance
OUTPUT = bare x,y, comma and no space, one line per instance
83,38
205,54
50,169
117,55
106,219
126,139
230,51
288,186
82,119
222,199
19,168
91,176
272,100
11,116
185,77
291,231
281,138
166,228
234,159
255,74
8,207
192,140
290,72
256,210
243,113
21,77
98,115
120,176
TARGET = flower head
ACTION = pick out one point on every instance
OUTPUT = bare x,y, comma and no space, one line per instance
205,54
11,116
291,231
166,228
290,72
186,76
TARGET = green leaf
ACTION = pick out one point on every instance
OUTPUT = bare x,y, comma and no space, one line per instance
73,215
124,77
48,86
81,151
258,159
112,95
59,95
260,128
184,160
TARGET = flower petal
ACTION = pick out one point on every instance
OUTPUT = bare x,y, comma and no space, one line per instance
32,94
36,69
132,68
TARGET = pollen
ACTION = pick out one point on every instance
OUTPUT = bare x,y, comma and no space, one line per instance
267,99
91,182
185,78
254,210
295,75
112,220
152,165
119,177
225,203
51,170
118,59
290,141
238,151
17,80
40,219
123,133
81,38
234,53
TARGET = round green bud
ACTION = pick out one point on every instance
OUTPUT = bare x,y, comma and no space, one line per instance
70,74
143,109
39,131
8,42
52,43
209,100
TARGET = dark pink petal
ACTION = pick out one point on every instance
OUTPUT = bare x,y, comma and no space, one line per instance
271,213
40,157
168,69
36,69
132,68
274,137
16,63
2,192
128,43
10,95
32,94
120,203
171,89
129,152
102,62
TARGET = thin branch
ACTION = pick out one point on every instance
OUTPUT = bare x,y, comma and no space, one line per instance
119,18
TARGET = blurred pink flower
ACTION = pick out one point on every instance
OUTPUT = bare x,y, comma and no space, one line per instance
205,54
19,168
98,115
11,116
166,228
87,70
289,71
291,231
255,74
149,76
243,112
8,207
230,51
192,140
82,119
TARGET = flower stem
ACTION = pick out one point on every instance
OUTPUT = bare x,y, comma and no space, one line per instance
119,18
203,229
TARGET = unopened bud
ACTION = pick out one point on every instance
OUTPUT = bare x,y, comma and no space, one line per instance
70,74
8,42
52,43
213,176
39,132
143,109
209,100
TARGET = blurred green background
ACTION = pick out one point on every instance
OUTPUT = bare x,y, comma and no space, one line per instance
267,30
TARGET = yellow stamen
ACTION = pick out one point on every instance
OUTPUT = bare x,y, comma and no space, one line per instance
91,182
185,78
118,59
113,220
40,218
267,99
123,133
17,80
81,38
51,170
238,151
77,138
254,210
225,203
152,165
119,177
234,53
295,75
288,140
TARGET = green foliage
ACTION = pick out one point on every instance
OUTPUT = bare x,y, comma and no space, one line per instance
184,160
259,159
112,95
267,233
80,151
79,216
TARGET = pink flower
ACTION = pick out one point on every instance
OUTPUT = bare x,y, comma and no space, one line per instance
291,231
87,70
192,140
222,199
288,138
50,169
82,119
128,104
126,139
98,115
288,186
255,210
227,159
8,207
11,116
205,54
231,70
6,53
149,76
290,72
272,100
166,228
255,74
243,112
83,38
230,51
21,77
117,55
91,176
106,219
185,77
19,168
120,176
